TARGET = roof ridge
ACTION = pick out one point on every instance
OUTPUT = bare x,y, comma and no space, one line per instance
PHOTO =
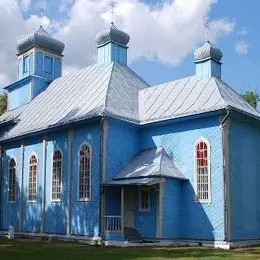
221,95
161,157
108,85
133,73
243,102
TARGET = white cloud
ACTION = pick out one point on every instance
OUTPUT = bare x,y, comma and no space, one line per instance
241,47
167,32
25,4
242,32
65,5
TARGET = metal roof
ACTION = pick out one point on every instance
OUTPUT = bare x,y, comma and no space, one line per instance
150,163
112,34
115,90
208,51
140,181
40,39
190,96
109,89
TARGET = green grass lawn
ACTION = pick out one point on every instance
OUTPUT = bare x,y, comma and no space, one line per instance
24,249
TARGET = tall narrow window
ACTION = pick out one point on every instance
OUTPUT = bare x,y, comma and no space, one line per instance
84,172
56,175
26,64
202,171
144,199
12,181
32,189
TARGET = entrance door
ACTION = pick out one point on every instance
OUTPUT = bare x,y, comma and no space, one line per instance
129,208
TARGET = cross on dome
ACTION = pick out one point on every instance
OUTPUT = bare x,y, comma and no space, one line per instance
112,4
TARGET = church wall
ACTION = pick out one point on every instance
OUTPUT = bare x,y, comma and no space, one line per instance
244,167
19,96
55,216
172,215
197,220
85,214
32,210
10,210
123,143
146,221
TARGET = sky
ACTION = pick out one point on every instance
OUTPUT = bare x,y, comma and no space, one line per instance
164,35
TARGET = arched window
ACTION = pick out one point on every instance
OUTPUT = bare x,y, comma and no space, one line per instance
32,189
12,181
56,175
202,175
84,172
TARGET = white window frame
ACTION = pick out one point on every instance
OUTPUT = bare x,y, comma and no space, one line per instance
204,140
15,176
90,173
57,200
37,170
140,199
26,56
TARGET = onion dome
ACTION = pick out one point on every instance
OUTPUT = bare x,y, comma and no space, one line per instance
208,51
112,34
40,39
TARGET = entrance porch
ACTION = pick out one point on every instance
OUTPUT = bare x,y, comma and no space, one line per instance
135,200
133,213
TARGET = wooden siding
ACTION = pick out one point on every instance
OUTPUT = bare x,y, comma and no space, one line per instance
244,180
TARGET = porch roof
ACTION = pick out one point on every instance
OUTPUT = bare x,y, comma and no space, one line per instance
136,181
146,167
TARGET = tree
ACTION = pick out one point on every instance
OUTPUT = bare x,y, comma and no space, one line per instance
251,97
3,103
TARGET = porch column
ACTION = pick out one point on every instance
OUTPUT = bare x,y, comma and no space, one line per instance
160,210
122,208
68,213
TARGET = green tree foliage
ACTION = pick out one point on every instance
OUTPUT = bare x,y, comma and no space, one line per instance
3,103
251,97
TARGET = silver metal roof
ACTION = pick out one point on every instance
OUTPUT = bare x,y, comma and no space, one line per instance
40,39
115,90
150,163
190,96
208,51
112,34
138,182
109,89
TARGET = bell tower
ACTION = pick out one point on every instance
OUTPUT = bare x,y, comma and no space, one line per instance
39,63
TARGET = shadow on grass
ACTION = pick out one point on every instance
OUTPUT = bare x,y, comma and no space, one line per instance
55,250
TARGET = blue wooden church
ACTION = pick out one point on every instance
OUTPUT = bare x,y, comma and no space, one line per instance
101,154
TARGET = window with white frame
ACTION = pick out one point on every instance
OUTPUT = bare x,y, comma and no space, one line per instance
144,199
26,64
56,176
12,181
202,171
84,172
32,187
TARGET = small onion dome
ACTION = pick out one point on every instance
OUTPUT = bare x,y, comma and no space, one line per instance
40,39
208,51
112,34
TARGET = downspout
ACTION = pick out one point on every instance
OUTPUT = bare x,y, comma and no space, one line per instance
101,191
22,190
1,187
225,149
70,136
44,184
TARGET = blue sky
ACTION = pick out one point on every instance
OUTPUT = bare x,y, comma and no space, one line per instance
240,70
163,35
